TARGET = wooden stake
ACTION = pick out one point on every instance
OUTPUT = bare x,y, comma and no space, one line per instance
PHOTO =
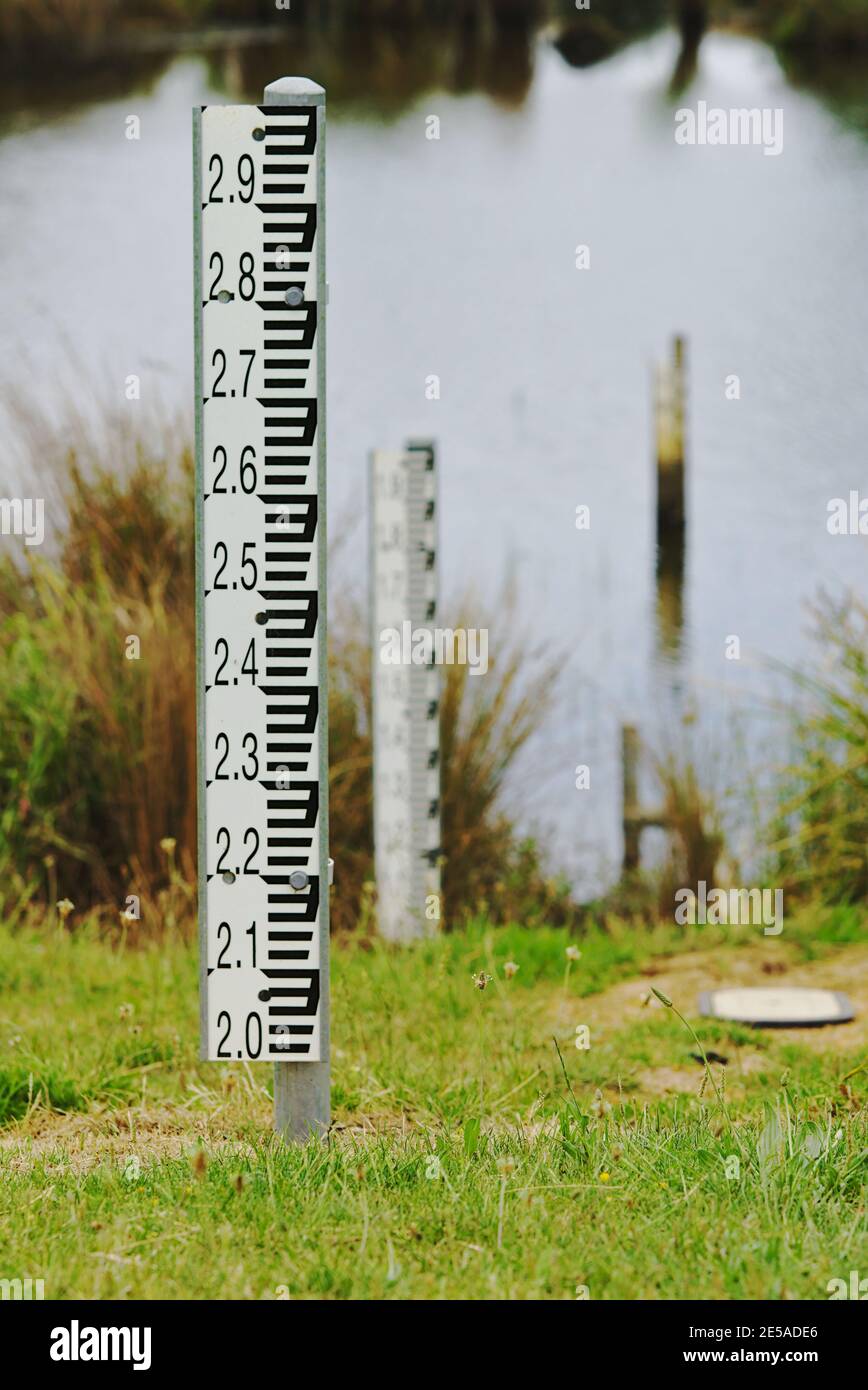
630,783
670,416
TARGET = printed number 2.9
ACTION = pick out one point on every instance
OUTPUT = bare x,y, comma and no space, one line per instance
246,179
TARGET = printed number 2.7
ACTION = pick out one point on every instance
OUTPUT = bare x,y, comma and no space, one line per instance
218,362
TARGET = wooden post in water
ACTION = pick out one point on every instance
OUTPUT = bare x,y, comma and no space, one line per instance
630,795
633,818
670,416
670,412
259,206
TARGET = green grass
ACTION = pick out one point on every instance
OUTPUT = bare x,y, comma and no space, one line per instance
462,1164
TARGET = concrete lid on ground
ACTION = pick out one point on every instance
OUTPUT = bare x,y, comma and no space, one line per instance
783,1006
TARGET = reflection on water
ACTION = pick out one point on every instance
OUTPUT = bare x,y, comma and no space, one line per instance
380,61
692,23
457,257
376,70
670,598
365,53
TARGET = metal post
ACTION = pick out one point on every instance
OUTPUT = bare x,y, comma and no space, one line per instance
406,691
261,612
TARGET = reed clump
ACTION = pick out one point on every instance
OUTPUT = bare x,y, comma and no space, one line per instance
97,689
820,834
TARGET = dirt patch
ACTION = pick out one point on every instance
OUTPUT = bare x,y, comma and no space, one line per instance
661,1081
80,1142
664,1081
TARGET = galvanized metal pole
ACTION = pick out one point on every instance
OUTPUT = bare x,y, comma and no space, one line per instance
261,584
302,1099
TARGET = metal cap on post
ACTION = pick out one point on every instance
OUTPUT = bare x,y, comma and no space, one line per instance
294,91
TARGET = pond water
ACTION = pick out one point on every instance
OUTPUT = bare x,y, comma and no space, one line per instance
456,257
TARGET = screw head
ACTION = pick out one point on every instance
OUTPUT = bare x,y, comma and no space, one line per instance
298,879
294,296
